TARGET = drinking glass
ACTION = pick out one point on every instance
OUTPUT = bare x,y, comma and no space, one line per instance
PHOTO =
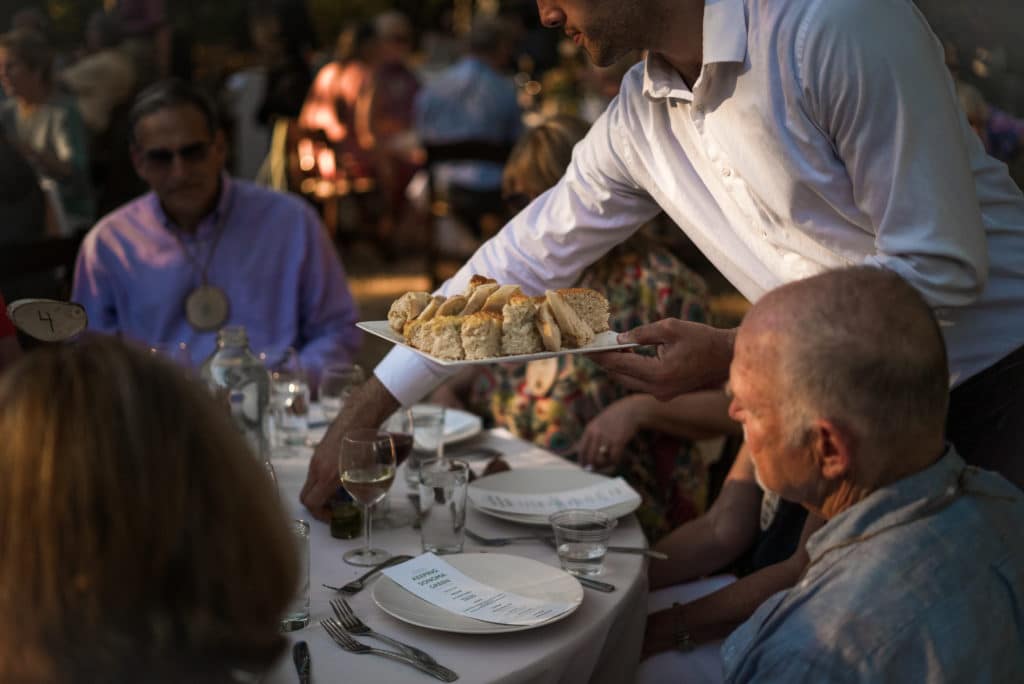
581,539
427,422
336,383
297,614
367,468
289,390
443,486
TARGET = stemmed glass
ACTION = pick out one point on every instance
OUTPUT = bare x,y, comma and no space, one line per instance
367,468
336,382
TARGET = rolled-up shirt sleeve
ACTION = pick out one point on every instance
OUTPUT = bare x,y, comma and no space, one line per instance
596,205
894,122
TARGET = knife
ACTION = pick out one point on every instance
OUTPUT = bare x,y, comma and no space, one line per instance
303,662
596,584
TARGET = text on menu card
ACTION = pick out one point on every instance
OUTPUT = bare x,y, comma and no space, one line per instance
610,492
439,583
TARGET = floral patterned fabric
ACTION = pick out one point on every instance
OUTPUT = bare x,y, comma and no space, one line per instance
668,473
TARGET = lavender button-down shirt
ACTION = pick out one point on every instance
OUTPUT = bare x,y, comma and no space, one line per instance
282,276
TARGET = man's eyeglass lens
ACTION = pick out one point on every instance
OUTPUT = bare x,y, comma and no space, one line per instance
190,154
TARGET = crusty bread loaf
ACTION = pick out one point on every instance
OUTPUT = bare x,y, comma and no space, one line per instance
518,331
590,305
445,334
575,331
431,308
497,301
547,326
476,281
481,335
478,297
452,306
406,308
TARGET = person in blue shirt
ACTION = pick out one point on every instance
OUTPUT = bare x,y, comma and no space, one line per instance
917,574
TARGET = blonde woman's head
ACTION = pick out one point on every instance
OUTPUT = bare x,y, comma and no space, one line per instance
137,532
541,156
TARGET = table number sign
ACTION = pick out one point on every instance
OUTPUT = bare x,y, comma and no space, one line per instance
611,492
435,581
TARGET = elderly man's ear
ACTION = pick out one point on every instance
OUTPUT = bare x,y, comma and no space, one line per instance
833,446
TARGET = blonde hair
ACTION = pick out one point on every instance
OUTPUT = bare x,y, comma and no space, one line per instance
541,156
137,533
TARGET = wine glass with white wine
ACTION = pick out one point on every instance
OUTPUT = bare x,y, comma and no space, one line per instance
367,468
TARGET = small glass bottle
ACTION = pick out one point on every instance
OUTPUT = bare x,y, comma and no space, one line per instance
346,518
235,372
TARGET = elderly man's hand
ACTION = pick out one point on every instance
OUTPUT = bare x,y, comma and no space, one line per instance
660,633
605,438
689,356
367,406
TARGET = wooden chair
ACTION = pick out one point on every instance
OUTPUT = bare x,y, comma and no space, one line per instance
439,263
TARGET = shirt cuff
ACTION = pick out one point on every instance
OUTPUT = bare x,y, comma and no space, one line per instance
410,377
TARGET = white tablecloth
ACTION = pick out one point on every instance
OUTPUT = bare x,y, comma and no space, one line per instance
598,643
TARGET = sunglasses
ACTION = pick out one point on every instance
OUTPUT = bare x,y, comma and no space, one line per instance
163,157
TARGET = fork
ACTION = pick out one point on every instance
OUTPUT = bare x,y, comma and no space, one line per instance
353,625
347,642
500,541
505,541
356,585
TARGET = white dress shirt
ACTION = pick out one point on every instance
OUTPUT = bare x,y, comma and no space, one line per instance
819,134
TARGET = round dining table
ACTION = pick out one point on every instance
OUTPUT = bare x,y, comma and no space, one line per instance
599,642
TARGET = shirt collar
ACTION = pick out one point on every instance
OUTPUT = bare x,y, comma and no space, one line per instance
894,504
210,222
724,39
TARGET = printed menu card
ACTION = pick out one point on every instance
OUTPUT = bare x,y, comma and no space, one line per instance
610,492
437,582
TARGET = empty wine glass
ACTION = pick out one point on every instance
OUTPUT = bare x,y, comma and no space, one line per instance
336,382
366,465
289,391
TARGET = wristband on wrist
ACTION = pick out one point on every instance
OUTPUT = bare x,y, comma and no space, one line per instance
681,639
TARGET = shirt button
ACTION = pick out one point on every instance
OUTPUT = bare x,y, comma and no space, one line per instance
764,233
727,172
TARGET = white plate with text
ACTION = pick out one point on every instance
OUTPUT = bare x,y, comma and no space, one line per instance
605,341
514,574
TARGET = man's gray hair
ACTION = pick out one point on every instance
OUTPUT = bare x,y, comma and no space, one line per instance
861,347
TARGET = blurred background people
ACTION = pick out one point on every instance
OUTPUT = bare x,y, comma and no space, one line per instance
44,125
567,404
472,101
148,37
132,546
202,250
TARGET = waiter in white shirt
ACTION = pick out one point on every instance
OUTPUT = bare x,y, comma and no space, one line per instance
785,138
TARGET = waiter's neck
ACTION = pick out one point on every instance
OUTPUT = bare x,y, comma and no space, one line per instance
187,220
679,38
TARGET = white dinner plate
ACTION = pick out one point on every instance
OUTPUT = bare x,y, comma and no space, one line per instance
523,576
605,341
543,481
460,425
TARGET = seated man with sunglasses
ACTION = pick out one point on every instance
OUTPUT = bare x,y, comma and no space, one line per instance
203,250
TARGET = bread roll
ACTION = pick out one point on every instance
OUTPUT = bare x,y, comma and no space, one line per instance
445,333
497,301
476,281
431,309
406,308
575,331
590,305
481,335
547,326
452,306
478,297
518,330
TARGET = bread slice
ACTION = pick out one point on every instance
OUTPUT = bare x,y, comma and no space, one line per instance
575,331
476,281
547,326
445,334
497,301
478,297
590,305
518,330
481,335
452,306
406,308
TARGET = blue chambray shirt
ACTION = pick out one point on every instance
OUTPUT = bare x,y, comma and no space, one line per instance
920,582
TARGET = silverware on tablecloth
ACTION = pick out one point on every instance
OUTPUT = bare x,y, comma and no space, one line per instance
356,585
303,661
505,541
353,625
596,584
349,643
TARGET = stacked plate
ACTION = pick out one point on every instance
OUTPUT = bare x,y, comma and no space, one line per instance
542,481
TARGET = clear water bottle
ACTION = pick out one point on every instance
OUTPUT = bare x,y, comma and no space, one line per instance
234,372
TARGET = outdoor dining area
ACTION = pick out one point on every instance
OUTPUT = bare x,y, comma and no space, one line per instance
511,341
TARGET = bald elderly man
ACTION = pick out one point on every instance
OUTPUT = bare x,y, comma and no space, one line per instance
918,573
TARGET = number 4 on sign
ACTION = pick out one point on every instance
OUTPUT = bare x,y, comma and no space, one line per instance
46,318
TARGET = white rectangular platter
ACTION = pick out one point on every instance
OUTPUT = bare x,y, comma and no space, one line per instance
605,341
